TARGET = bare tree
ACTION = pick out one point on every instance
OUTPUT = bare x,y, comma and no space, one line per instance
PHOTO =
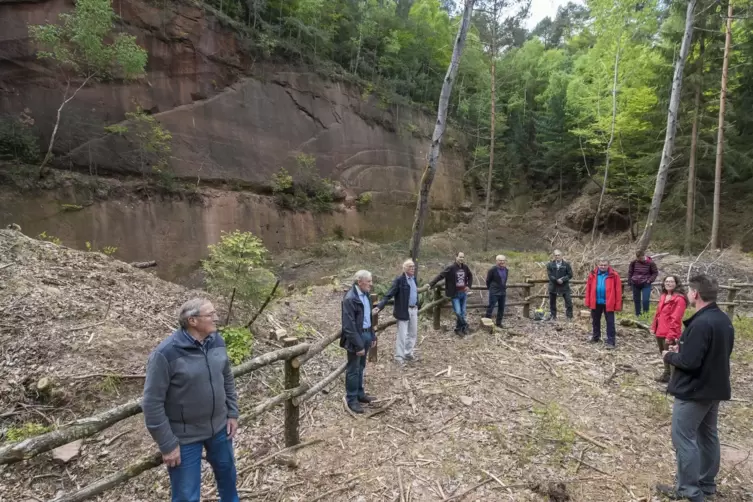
720,135
422,205
690,203
669,138
492,122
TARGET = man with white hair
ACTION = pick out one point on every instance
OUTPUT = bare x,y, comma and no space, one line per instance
405,292
357,337
496,283
190,404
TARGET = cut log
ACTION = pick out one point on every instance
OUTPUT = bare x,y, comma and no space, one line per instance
144,264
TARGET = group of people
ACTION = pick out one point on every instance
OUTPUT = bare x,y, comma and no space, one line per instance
190,402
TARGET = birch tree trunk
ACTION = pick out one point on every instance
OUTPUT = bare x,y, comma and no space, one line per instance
422,205
669,138
491,127
720,135
690,203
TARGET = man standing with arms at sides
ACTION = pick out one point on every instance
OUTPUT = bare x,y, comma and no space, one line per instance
496,283
405,292
642,273
457,282
559,273
357,337
190,404
604,297
699,382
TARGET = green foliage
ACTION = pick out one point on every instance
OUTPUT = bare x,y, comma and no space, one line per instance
25,431
363,201
49,238
339,232
743,328
237,263
153,144
305,190
85,43
71,207
111,384
107,250
239,342
17,139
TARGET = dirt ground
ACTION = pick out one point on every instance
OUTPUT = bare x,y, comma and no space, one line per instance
532,407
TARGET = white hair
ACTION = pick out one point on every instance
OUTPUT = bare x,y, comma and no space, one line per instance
191,308
362,275
407,263
557,251
501,257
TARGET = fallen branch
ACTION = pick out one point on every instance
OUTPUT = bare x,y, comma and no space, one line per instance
103,375
516,376
634,324
521,394
590,440
144,264
3,267
469,490
289,449
264,305
381,409
87,326
347,486
319,386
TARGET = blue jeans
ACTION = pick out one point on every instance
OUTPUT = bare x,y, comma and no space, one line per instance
354,371
596,319
499,302
695,438
641,298
185,480
458,305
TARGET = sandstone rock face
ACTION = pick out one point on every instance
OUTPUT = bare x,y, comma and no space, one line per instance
233,120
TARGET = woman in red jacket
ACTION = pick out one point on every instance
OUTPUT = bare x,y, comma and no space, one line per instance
604,297
667,325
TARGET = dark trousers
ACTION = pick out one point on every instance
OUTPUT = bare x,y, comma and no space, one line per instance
568,304
641,298
354,370
663,345
695,438
596,318
496,300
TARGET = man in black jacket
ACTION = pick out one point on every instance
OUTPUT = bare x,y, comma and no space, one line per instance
405,292
457,282
496,283
559,273
357,337
700,381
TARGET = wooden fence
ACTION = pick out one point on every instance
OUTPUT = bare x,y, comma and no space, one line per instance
294,355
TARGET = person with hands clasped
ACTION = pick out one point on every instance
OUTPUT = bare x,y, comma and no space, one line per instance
405,292
667,325
700,381
190,404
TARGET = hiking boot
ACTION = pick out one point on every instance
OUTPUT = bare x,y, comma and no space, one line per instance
671,494
366,399
355,407
593,339
410,357
610,346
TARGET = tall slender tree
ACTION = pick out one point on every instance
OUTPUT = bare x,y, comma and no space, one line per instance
422,205
690,202
492,120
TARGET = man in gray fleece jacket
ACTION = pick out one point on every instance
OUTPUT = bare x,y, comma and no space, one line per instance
190,404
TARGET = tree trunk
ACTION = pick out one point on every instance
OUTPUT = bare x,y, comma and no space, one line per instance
427,179
611,140
669,138
690,212
491,127
720,135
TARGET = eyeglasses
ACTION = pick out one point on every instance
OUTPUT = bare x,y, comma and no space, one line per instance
211,314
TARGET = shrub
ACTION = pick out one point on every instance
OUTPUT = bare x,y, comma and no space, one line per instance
238,340
25,431
339,232
307,191
17,139
237,263
363,201
49,238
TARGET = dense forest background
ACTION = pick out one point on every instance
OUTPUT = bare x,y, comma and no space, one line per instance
553,86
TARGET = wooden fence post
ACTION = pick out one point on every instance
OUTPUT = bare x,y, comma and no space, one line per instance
292,412
373,355
731,295
527,299
438,308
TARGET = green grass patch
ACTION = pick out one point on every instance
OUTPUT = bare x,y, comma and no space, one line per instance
25,431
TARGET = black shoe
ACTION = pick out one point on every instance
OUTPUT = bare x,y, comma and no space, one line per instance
366,399
594,340
355,408
671,494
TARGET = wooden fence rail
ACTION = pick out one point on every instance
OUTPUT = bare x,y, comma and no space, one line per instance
294,355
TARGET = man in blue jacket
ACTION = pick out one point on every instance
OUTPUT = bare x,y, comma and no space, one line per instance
357,337
700,381
190,404
405,292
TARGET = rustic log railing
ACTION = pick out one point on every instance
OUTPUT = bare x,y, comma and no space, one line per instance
294,355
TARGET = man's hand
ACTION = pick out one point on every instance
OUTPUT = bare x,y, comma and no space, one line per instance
172,459
361,353
674,347
664,354
559,281
375,311
232,427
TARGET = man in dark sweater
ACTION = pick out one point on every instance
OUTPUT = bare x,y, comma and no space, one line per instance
190,404
496,283
405,292
458,280
559,273
700,381
642,272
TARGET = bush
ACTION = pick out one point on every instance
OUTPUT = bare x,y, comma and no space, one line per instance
49,238
238,340
363,201
17,139
308,191
237,262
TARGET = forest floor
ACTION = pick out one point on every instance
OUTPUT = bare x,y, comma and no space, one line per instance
532,407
